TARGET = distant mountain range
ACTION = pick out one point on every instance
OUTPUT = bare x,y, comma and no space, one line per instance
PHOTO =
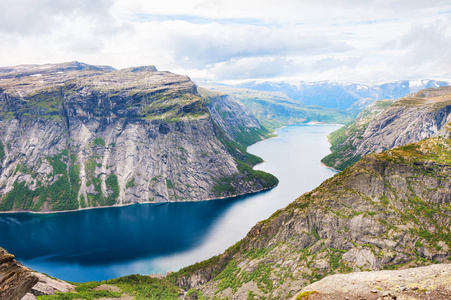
330,94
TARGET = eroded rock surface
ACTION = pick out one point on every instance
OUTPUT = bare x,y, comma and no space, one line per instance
15,279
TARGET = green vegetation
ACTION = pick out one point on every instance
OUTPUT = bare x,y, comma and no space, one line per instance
343,141
144,287
169,184
130,183
225,186
274,109
82,291
305,295
60,195
44,103
245,161
247,136
111,183
172,106
2,152
140,287
99,142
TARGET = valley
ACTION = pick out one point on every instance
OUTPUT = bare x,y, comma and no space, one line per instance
388,209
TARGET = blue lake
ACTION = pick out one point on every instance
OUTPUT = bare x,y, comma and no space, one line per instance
105,243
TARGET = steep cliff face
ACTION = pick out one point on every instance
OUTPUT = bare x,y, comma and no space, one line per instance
389,210
233,117
387,124
75,136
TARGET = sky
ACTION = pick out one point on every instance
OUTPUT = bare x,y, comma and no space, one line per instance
236,40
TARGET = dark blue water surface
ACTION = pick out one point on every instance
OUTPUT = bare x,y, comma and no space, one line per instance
105,243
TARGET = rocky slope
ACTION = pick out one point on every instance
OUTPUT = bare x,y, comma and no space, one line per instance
233,117
76,136
388,211
47,286
15,279
390,123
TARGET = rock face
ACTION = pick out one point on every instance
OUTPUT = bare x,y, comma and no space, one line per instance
15,279
232,116
77,136
387,124
388,211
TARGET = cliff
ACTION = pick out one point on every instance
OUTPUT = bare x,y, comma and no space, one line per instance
77,136
233,117
387,211
387,124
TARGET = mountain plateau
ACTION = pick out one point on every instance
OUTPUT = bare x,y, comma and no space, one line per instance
76,136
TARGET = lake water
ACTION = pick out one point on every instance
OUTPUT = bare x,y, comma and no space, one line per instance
105,243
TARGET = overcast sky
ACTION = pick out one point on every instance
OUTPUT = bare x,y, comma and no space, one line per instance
345,40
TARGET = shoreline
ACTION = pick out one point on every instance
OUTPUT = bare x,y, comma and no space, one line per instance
182,201
136,203
330,168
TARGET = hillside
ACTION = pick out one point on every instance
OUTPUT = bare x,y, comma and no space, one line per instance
234,118
76,136
387,211
387,124
275,109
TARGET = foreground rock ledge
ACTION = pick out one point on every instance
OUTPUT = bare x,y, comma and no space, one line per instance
430,282
15,279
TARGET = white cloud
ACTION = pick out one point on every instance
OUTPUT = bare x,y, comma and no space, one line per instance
231,39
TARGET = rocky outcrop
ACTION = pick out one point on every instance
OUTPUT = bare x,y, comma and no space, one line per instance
388,211
430,282
388,124
76,136
15,279
48,286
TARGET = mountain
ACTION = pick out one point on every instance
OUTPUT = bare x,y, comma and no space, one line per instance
76,136
233,117
275,109
387,124
341,95
387,211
